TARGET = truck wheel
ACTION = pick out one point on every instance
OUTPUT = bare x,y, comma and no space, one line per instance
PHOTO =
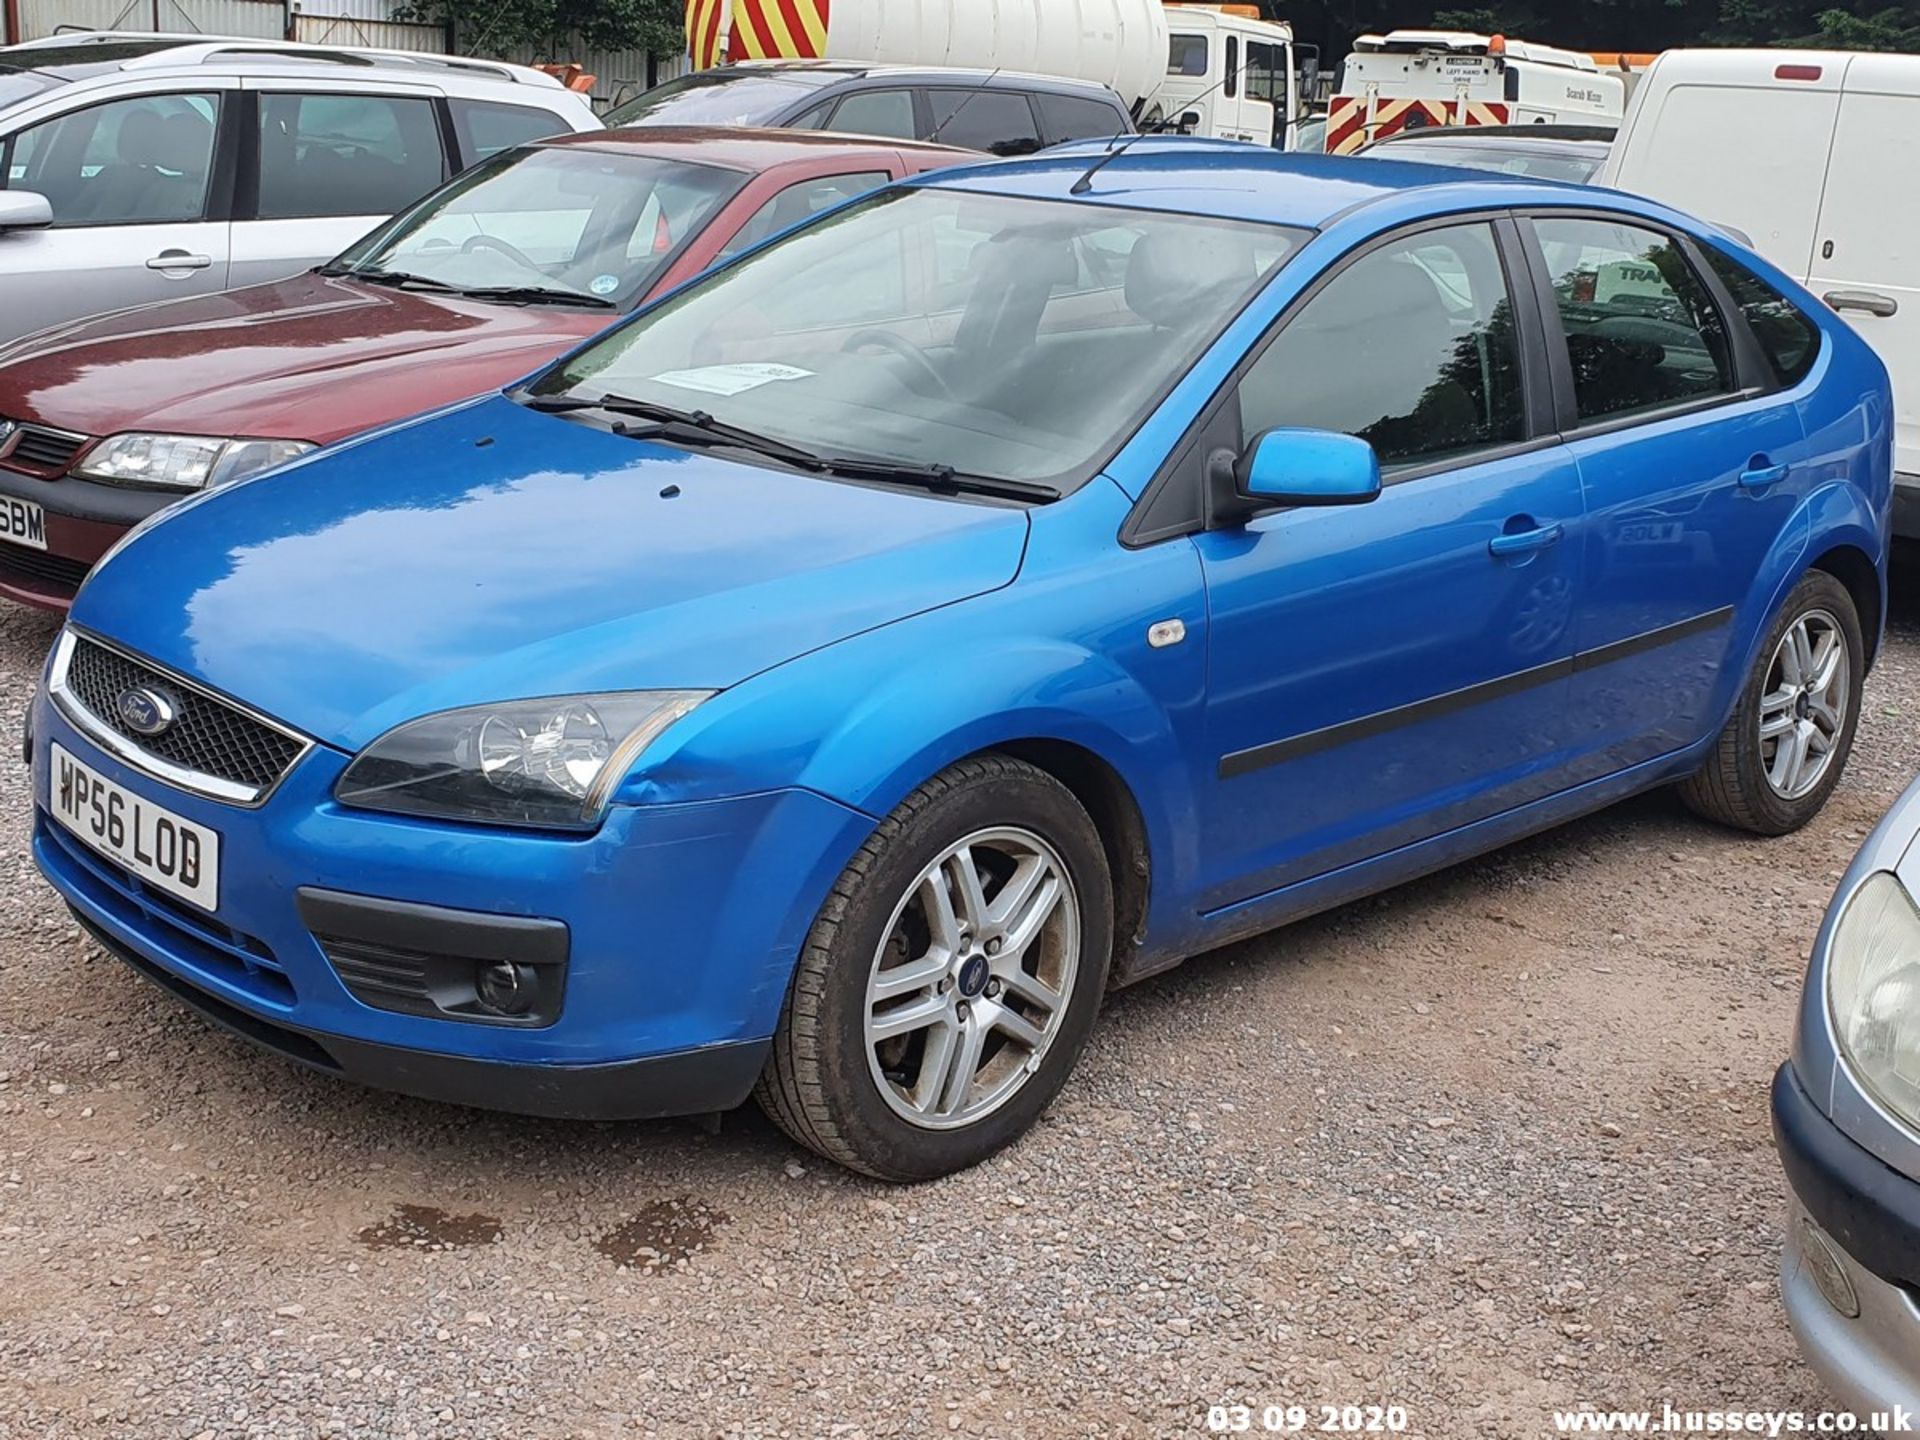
951,979
1784,750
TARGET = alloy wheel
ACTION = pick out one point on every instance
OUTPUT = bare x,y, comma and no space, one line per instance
1803,705
972,978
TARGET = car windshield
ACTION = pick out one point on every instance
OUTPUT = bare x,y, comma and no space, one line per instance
589,225
718,97
1007,338
1576,166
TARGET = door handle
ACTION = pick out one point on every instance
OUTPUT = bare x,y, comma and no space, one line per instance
179,260
1885,306
1503,547
1762,475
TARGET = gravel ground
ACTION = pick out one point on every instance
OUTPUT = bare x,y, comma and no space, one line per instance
1494,1144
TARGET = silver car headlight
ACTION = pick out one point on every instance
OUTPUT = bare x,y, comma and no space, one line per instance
184,462
1873,992
545,763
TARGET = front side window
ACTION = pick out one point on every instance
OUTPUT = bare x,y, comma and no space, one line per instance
999,122
1790,341
1411,348
146,160
1266,72
346,154
800,202
486,128
1021,366
571,221
876,112
1641,327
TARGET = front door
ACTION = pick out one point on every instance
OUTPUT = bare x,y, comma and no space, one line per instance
138,195
1863,258
1691,470
1384,673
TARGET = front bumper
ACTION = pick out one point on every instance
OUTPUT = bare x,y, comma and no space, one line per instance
682,921
85,519
1871,1216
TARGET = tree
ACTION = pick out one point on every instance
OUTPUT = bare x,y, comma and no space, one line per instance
555,28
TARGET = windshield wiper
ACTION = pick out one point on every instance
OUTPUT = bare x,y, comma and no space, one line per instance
537,295
697,427
400,279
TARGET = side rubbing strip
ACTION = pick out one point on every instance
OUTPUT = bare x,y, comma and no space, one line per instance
1296,747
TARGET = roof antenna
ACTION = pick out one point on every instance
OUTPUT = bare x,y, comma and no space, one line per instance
961,107
1115,151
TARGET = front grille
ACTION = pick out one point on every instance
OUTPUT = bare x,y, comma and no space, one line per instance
38,570
208,736
39,448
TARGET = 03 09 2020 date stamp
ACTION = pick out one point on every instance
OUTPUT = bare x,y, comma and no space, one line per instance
1290,1419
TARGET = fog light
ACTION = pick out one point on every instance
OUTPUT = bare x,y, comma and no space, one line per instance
1828,1270
506,989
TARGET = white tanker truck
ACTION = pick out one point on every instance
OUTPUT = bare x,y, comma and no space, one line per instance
1206,69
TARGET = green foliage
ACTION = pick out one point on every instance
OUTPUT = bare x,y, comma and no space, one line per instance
556,29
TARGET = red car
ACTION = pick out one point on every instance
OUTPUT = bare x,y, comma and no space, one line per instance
514,262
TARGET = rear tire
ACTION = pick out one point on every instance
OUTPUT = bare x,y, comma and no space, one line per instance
1787,743
950,981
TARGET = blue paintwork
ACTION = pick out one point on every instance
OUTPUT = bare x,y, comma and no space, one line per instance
862,639
1313,467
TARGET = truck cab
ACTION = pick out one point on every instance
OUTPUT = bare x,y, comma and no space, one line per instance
1230,75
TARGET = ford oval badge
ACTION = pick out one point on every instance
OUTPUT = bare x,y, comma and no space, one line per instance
146,710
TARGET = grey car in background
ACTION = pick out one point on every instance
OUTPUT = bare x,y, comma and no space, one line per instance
136,168
1846,1120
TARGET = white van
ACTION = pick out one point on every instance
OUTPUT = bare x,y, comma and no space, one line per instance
1811,154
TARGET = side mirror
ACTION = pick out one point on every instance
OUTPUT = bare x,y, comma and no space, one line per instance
1284,468
24,210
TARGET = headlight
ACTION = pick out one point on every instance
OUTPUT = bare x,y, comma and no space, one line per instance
184,462
1873,991
548,763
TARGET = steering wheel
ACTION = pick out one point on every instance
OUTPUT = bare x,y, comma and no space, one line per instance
494,242
906,350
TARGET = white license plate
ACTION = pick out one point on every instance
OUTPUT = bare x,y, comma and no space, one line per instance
163,849
23,522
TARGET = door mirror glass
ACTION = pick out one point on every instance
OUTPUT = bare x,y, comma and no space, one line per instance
1307,467
24,210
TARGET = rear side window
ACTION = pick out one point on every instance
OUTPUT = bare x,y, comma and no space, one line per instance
1072,117
1187,55
486,128
1790,340
999,122
125,162
887,113
1642,329
346,154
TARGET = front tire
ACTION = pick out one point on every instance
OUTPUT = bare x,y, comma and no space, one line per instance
1787,743
950,981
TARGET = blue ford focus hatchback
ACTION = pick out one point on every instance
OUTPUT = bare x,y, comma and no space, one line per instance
828,684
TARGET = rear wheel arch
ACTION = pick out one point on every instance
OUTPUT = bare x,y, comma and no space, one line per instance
1853,568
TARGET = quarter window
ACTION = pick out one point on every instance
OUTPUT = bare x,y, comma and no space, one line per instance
486,128
1641,327
128,162
1411,348
1789,339
346,154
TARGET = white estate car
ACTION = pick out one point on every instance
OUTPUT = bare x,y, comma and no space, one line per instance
146,167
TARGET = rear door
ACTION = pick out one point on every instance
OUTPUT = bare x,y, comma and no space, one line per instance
140,188
324,162
1692,459
1866,258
